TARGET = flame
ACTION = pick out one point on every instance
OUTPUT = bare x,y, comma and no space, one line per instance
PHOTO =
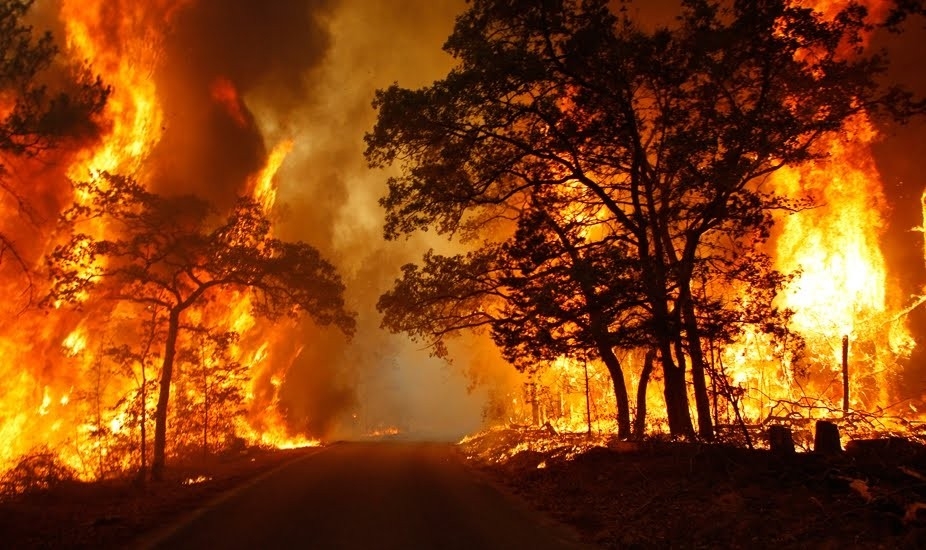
842,289
225,94
842,284
54,360
264,190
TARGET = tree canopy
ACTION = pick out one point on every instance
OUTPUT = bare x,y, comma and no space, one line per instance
34,114
658,142
174,253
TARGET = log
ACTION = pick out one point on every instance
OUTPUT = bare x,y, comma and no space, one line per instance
780,441
826,438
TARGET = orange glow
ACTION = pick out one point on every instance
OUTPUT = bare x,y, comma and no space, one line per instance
263,188
59,386
225,94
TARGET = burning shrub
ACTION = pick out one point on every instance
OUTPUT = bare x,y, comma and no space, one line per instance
38,471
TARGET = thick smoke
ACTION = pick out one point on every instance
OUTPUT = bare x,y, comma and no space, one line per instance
306,70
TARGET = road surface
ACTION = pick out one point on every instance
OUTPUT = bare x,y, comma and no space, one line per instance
368,495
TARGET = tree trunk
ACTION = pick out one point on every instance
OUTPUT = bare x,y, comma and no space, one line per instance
826,438
620,389
535,405
780,440
144,420
702,399
676,393
588,400
845,375
202,366
639,425
160,413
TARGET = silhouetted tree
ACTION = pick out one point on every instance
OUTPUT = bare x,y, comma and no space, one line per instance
671,132
173,253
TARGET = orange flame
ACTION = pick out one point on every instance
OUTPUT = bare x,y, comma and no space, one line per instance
225,94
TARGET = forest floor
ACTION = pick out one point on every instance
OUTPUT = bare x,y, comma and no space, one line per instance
614,494
115,513
683,495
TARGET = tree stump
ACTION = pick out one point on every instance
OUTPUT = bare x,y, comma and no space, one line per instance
780,441
826,438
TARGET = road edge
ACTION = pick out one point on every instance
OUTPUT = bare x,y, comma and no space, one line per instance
157,537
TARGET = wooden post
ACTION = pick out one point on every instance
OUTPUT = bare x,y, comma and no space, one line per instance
780,440
826,438
845,374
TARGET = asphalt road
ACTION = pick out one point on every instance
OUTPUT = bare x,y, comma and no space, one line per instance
368,495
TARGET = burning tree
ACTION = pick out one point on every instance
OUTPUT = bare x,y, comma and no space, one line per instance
544,293
33,116
172,254
664,139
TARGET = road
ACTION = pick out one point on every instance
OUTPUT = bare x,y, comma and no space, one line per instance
378,495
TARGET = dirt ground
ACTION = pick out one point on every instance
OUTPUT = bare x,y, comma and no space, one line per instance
682,495
113,514
615,495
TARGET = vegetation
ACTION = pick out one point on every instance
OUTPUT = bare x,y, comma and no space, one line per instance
171,254
610,178
35,115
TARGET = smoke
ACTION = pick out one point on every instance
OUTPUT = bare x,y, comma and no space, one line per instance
236,78
392,383
901,160
306,71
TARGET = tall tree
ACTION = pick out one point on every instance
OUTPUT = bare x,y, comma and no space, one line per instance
173,253
671,131
34,116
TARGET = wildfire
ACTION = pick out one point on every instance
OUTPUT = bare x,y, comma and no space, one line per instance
263,187
842,289
63,382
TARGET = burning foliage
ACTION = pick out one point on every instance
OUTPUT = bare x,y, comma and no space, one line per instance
695,204
158,303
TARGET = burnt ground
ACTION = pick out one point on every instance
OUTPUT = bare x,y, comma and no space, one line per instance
682,495
615,495
114,513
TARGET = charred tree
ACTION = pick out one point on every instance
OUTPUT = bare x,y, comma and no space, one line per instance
826,438
639,425
554,100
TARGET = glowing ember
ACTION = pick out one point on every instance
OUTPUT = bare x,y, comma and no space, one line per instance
196,480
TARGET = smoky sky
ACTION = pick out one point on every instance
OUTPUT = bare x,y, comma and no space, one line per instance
270,48
306,71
